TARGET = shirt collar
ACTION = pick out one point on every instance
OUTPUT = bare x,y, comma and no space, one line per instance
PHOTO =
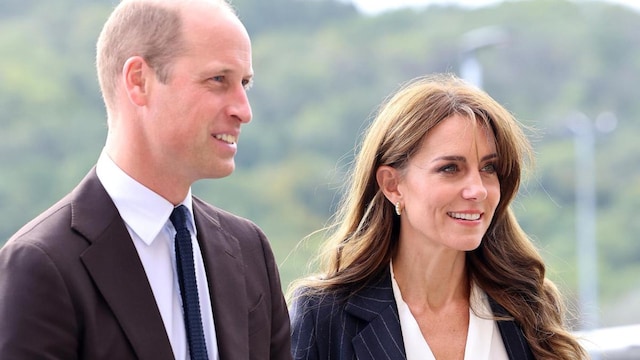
144,211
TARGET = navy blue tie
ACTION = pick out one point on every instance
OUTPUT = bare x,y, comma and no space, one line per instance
188,285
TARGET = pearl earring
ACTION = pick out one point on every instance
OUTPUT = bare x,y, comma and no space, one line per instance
398,208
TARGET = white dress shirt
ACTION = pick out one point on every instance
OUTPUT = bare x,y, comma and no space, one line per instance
484,341
146,215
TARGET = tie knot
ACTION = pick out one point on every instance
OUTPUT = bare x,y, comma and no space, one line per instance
179,216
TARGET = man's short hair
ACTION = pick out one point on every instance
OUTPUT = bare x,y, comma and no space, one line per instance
151,29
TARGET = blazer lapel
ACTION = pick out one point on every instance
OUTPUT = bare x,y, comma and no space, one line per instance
112,261
225,274
381,338
514,341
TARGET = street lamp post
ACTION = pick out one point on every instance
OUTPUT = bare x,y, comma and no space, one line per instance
585,131
470,43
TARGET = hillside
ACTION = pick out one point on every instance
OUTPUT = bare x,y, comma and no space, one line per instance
321,70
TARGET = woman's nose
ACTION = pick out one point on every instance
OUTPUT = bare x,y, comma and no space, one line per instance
474,188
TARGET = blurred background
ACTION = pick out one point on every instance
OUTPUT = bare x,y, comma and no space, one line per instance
567,69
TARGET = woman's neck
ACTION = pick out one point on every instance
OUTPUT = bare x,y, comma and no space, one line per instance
432,281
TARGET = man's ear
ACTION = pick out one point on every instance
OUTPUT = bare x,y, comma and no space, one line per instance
136,74
388,178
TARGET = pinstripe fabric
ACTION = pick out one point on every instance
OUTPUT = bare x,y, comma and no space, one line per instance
366,326
512,336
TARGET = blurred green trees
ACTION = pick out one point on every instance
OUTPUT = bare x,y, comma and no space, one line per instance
321,70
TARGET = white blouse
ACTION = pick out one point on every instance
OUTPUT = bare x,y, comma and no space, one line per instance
484,341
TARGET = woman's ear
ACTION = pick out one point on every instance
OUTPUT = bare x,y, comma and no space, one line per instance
135,73
388,178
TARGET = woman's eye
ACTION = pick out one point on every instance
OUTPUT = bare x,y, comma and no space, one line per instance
451,168
489,168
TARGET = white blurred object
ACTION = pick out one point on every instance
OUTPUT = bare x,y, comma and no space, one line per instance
614,343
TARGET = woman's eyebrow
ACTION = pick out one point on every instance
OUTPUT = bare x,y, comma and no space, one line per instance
463,159
450,158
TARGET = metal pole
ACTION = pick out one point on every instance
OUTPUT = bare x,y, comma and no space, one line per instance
473,41
471,70
586,208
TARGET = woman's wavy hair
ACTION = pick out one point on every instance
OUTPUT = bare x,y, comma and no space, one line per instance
365,229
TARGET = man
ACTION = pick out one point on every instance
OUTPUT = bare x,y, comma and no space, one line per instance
95,276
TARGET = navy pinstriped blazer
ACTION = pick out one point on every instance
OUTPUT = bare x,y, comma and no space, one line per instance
366,326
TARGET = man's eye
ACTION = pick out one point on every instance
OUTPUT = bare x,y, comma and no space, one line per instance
247,84
218,78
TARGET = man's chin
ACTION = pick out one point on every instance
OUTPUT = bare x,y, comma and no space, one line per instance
222,171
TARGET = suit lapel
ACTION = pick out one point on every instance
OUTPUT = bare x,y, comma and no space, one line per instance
225,274
381,338
514,341
112,262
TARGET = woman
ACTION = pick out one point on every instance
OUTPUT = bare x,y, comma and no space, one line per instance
426,259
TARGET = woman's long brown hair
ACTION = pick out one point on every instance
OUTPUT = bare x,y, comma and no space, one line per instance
364,234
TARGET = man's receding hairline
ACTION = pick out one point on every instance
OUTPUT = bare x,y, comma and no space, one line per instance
175,4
